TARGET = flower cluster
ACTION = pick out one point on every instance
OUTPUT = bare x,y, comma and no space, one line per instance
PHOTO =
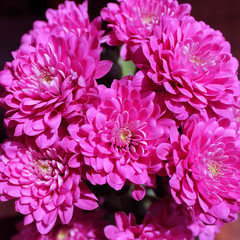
165,220
119,137
165,137
50,83
80,227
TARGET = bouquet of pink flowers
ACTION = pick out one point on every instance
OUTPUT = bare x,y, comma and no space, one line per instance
158,150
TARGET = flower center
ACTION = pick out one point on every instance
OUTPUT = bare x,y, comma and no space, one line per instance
62,234
43,167
46,76
195,59
123,137
149,18
202,60
214,168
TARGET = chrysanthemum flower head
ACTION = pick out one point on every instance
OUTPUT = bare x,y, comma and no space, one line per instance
83,226
43,84
119,138
166,219
69,17
136,19
205,170
204,231
192,64
126,227
43,184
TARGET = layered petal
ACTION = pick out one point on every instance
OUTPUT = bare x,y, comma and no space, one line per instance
43,185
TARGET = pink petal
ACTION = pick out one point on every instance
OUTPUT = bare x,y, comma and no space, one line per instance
138,192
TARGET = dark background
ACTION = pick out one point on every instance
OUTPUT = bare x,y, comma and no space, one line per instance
16,18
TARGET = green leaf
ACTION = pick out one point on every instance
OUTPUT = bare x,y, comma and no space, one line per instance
127,67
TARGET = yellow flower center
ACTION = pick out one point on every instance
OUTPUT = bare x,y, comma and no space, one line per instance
62,234
123,137
43,167
214,168
147,18
196,60
45,76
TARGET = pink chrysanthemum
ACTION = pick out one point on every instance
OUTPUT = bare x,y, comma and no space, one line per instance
168,220
87,226
69,17
203,231
42,184
45,85
191,63
136,19
126,228
119,138
205,171
165,220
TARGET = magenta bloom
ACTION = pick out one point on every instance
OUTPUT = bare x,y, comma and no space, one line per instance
45,85
203,231
126,228
168,220
205,171
165,220
192,65
42,184
87,226
119,138
69,17
136,19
